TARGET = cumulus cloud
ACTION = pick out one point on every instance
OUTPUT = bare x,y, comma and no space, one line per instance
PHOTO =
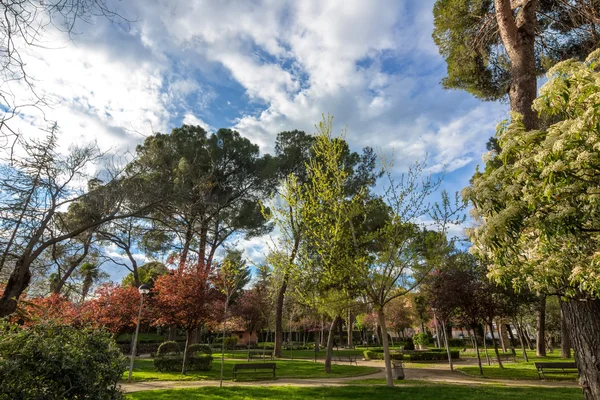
262,67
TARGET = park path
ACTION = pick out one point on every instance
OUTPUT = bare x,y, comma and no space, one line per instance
437,374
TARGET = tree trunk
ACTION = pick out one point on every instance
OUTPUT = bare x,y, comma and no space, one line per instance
185,351
447,344
322,335
583,322
17,283
477,351
540,340
349,326
491,326
329,353
487,356
277,351
389,379
521,334
565,343
341,330
518,36
501,334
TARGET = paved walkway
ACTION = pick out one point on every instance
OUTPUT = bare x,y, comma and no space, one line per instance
438,373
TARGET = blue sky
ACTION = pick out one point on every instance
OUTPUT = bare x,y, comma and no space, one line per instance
261,67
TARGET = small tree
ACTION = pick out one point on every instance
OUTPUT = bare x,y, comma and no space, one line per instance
184,298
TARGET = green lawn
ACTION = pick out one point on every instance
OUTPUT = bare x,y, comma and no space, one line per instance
519,370
422,392
144,370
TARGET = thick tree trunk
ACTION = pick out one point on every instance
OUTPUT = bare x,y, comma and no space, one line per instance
17,283
565,343
518,36
277,351
540,340
583,322
389,379
329,353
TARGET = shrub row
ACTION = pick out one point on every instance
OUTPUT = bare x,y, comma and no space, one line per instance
378,355
431,355
436,354
175,362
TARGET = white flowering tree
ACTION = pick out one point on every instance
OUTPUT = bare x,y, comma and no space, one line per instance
538,204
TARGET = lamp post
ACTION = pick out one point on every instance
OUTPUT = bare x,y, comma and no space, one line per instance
143,289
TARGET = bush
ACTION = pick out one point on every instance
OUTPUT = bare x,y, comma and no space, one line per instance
169,347
172,362
230,342
49,361
431,355
199,348
421,339
378,355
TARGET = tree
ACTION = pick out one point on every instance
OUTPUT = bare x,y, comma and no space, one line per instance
495,47
293,150
114,308
250,309
536,203
38,185
147,273
399,316
402,252
328,271
90,274
230,278
214,184
184,298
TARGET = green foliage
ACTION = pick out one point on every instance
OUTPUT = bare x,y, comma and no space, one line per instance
168,347
199,348
171,363
467,35
230,342
52,362
147,274
421,339
537,198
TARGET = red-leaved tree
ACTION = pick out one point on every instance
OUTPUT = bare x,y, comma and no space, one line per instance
184,298
114,308
56,308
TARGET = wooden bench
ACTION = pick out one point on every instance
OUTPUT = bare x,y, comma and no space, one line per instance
260,354
350,359
253,368
564,367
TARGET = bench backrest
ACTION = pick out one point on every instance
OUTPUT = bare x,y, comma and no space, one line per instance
255,366
555,365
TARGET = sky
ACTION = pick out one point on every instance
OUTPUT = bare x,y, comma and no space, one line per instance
262,67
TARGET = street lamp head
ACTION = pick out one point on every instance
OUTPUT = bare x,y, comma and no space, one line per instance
144,289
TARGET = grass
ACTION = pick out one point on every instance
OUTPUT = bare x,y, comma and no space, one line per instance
144,370
515,371
421,392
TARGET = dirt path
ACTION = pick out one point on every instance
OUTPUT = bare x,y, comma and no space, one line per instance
437,373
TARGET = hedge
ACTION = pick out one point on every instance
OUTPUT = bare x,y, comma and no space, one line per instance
199,348
169,347
175,362
431,355
378,355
